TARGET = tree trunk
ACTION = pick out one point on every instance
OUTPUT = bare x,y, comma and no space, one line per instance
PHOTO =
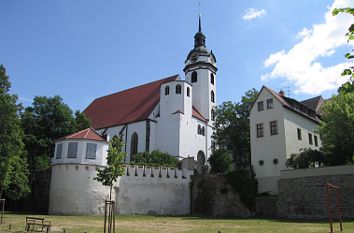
110,193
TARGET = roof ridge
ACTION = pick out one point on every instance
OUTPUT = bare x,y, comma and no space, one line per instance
73,134
131,88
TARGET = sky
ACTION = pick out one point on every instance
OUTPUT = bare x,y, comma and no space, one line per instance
85,49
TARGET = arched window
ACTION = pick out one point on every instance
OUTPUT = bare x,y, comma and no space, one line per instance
167,90
212,96
194,77
178,89
188,91
212,78
213,115
133,146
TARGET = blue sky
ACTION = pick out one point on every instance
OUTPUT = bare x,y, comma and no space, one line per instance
84,49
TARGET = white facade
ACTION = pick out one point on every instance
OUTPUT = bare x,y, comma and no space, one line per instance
269,152
74,191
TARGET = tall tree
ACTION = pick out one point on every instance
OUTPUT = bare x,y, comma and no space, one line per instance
13,165
232,128
337,126
47,120
115,158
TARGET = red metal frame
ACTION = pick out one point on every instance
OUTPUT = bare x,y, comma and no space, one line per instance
329,189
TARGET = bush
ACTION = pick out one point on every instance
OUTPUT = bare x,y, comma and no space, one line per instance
155,158
306,159
219,161
243,181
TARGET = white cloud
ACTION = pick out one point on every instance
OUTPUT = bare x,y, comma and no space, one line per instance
304,33
252,13
301,66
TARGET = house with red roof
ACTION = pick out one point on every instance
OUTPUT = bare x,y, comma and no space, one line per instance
280,126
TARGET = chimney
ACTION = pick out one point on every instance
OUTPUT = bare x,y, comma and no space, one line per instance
281,92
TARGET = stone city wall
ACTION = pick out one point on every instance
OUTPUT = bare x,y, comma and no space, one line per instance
141,190
211,195
302,192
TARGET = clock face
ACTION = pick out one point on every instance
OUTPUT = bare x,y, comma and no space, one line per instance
194,57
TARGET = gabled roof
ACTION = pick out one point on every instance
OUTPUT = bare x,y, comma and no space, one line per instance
89,134
307,110
197,115
131,105
314,103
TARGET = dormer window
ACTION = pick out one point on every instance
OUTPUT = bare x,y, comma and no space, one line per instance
194,77
167,90
178,89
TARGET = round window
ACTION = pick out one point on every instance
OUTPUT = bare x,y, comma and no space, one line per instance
260,162
275,161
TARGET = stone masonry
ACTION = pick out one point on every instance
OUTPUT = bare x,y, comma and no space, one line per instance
302,192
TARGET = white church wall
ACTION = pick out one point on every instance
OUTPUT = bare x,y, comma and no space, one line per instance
189,133
140,129
143,191
167,133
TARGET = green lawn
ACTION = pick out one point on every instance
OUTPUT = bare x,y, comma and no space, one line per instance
142,223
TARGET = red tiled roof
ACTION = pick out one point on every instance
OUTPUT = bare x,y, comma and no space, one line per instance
197,115
131,105
88,133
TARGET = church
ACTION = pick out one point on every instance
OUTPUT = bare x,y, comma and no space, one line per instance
173,114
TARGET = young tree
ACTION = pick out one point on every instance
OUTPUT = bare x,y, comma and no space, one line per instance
232,128
13,166
115,158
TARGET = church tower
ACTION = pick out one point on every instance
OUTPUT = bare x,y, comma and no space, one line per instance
200,70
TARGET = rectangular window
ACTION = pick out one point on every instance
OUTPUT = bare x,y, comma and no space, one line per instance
299,136
259,130
316,141
273,127
59,151
269,103
260,106
72,149
310,139
91,150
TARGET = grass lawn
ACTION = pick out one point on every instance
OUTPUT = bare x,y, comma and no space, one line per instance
144,223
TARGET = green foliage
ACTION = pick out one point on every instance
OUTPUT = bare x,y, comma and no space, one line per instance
243,181
219,161
232,128
350,34
81,121
13,166
47,120
306,159
155,158
337,126
115,158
